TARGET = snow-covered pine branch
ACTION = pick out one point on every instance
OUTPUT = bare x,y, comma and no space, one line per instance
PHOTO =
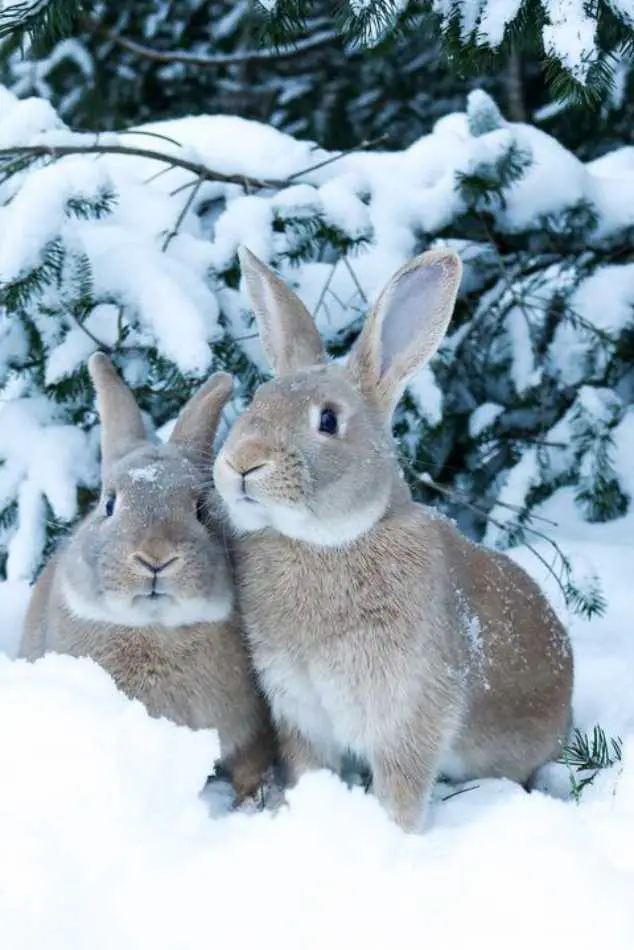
581,42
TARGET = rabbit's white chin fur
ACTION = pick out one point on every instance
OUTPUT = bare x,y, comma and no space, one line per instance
302,525
145,611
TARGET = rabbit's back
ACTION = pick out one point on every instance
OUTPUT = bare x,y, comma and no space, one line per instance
518,665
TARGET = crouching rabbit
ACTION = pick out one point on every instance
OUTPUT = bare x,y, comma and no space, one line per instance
144,587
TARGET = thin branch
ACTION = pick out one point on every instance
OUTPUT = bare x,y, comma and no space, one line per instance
250,182
482,502
355,279
201,172
367,143
156,175
479,510
324,289
242,339
182,215
151,135
196,168
307,45
459,791
99,343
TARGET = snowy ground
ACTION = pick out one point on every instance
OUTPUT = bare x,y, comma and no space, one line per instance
105,841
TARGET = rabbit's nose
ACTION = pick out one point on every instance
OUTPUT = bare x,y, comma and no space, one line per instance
151,565
244,470
244,473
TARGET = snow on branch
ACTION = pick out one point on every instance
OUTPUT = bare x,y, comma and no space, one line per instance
568,28
36,18
97,147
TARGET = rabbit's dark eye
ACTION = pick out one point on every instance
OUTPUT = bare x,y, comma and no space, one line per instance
110,502
328,421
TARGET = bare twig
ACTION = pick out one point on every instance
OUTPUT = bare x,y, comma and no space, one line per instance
248,183
355,280
159,174
459,791
182,215
324,289
481,502
99,343
367,143
483,512
307,45
243,339
150,135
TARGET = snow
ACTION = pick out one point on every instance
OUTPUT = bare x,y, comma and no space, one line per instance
46,460
494,20
31,75
179,309
604,300
427,395
25,120
483,417
568,33
38,212
570,36
512,496
108,841
148,474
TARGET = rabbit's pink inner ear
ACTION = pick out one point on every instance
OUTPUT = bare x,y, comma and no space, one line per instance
288,333
198,421
406,326
122,427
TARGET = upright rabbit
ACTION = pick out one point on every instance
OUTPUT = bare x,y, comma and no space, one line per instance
144,588
376,628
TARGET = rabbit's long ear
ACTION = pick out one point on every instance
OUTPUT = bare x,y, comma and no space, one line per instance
122,425
289,336
197,423
406,326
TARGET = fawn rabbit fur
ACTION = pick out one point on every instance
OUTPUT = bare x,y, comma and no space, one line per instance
144,587
375,627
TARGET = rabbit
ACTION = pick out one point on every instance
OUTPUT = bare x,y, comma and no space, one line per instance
144,587
377,630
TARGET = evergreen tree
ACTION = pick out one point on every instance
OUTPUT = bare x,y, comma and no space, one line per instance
114,64
529,393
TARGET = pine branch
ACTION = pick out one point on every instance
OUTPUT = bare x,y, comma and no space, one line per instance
202,172
292,179
585,757
39,21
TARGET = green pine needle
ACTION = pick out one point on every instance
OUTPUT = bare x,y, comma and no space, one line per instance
586,756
